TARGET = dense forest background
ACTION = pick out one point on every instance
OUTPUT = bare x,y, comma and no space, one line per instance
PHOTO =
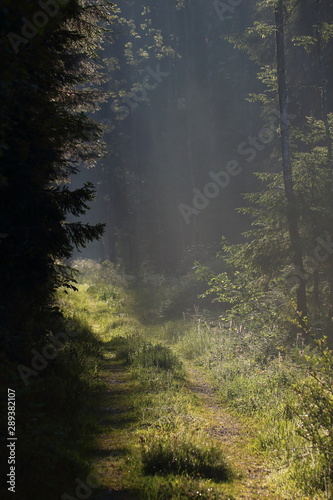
187,142
206,106
165,139
164,142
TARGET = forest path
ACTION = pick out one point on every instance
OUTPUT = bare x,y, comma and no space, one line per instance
120,425
234,438
117,422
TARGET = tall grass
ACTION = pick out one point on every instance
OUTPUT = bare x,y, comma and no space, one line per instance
256,375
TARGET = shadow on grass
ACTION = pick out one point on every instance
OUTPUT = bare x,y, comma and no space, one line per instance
124,494
109,453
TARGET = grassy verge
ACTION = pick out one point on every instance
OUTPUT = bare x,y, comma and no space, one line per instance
260,381
55,390
156,440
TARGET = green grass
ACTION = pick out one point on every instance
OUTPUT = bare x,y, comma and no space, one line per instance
166,451
151,408
184,453
256,378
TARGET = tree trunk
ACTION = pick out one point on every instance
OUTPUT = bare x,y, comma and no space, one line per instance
292,215
324,84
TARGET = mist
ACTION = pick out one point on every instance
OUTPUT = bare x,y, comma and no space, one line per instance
166,249
178,124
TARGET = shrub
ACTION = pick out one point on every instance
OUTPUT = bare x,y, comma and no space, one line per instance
314,409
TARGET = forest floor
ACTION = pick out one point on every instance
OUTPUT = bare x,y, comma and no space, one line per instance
120,424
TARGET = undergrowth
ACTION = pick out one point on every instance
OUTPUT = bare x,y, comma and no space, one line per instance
269,383
165,450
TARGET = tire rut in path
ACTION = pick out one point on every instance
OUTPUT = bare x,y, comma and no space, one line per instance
221,425
234,438
112,416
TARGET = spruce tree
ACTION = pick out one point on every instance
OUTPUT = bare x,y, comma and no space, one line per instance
49,82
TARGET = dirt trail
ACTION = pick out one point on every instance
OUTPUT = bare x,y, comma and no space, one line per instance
227,429
114,416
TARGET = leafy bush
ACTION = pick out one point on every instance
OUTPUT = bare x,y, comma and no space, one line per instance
314,409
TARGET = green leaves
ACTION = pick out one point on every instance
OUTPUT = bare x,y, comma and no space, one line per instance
315,404
304,41
262,29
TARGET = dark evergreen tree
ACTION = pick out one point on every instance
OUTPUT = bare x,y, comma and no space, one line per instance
49,81
292,210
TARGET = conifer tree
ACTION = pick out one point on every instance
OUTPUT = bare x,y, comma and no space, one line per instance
49,83
292,212
296,204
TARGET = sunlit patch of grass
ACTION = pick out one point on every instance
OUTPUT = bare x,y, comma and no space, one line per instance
255,381
103,310
187,453
181,488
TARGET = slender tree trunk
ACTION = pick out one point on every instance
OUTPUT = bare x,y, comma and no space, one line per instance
292,215
316,290
324,84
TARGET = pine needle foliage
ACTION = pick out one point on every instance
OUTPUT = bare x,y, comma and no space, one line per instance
51,79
